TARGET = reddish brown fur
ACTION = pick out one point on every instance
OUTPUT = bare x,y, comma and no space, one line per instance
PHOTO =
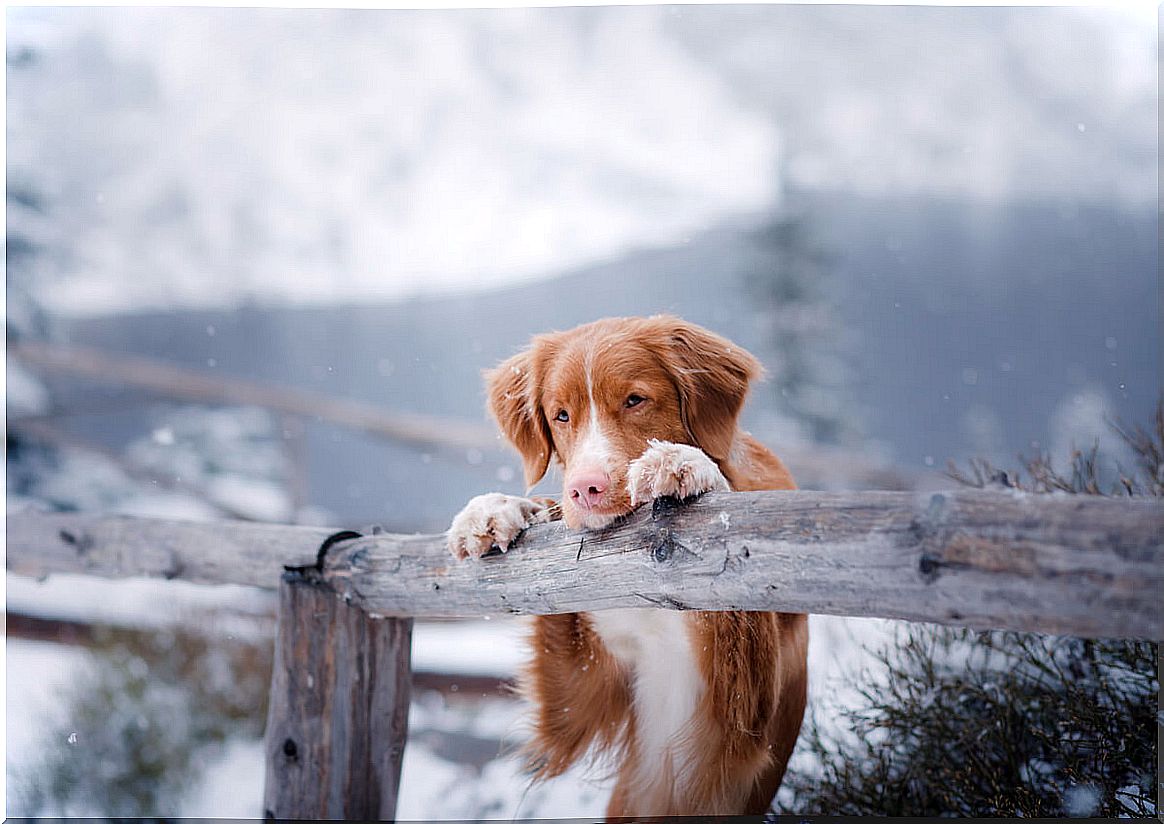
753,664
581,697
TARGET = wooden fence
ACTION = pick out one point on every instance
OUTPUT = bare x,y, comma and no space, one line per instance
340,689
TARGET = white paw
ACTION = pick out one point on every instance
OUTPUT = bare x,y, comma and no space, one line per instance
488,521
675,470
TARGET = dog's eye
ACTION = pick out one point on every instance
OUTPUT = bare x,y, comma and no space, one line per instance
562,416
634,400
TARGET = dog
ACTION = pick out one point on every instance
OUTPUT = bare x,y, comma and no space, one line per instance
697,711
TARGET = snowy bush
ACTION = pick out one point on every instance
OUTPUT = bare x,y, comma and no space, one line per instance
968,723
141,722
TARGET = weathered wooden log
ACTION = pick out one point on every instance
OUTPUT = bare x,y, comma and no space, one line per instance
202,387
1070,564
337,719
117,546
1079,565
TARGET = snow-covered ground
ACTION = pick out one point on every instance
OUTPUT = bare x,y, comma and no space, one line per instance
459,761
431,787
139,602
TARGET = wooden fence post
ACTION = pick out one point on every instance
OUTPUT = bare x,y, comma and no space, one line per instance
338,715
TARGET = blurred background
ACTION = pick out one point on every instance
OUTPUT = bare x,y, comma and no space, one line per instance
257,258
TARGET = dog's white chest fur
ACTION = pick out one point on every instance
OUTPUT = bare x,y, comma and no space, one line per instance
656,648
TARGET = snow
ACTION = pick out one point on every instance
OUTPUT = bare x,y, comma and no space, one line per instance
492,647
495,647
139,602
1081,800
226,461
35,674
231,786
259,500
433,785
1081,421
445,149
838,650
23,394
89,482
431,788
1133,791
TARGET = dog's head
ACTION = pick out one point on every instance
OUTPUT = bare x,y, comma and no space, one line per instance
592,397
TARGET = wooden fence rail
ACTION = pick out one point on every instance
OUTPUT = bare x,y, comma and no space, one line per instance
1078,565
200,386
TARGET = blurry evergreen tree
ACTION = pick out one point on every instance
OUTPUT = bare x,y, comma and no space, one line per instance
971,723
28,228
791,285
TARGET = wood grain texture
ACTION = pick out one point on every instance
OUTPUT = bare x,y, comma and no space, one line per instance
337,719
116,546
1065,564
1058,564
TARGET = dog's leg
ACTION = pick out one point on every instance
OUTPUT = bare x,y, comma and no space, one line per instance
580,693
746,724
741,735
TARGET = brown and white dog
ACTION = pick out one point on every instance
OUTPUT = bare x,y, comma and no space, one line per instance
698,710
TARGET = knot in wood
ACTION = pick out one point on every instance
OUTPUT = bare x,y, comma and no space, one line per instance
175,568
664,507
662,510
82,544
926,526
290,750
929,566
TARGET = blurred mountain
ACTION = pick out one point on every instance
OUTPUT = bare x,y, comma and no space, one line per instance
331,155
317,155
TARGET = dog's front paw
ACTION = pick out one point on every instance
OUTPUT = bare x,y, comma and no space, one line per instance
675,470
492,520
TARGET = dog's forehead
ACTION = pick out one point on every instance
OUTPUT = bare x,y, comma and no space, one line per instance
591,357
565,370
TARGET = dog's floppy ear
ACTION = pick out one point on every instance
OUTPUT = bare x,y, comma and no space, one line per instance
712,375
515,403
